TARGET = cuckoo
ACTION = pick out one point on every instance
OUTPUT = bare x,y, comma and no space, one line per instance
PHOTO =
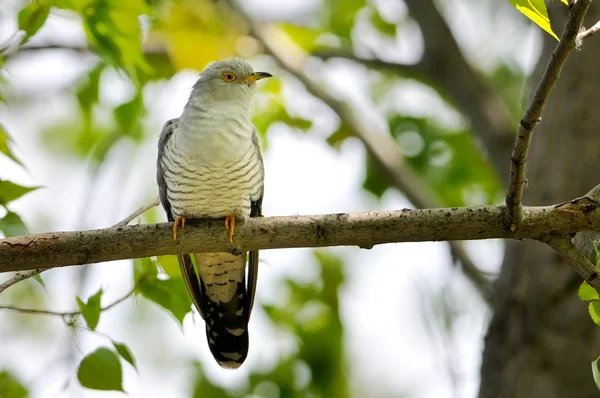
210,166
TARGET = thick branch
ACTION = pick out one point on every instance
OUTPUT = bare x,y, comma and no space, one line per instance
532,116
56,249
28,274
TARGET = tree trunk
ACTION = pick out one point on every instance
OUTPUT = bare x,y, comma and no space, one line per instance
541,339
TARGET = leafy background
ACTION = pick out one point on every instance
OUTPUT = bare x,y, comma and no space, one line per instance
85,87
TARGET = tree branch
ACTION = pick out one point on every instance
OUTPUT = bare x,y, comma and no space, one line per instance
587,33
20,276
57,249
138,212
532,116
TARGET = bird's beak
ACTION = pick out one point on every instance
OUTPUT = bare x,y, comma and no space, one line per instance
256,76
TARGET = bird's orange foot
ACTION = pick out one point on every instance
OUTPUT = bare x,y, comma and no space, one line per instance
230,225
180,220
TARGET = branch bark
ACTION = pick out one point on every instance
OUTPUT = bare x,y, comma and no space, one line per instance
57,249
532,116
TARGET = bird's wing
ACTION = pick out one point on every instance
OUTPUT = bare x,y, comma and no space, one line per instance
255,211
188,272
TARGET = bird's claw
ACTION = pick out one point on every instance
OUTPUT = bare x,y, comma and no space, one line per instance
180,220
230,225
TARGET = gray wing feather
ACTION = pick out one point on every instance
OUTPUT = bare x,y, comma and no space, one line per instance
188,271
255,211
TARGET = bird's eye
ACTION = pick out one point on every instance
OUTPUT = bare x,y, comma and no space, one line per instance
228,76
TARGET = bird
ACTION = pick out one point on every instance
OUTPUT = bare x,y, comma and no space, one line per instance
209,165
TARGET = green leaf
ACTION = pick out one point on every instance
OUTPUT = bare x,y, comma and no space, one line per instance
303,36
91,309
385,27
596,373
10,387
4,148
38,279
10,191
170,265
536,11
342,16
129,116
101,370
12,225
113,29
32,17
587,292
594,309
171,294
143,267
125,353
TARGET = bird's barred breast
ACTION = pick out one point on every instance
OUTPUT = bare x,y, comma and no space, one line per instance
197,190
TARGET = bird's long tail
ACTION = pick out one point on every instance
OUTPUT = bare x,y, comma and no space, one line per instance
223,286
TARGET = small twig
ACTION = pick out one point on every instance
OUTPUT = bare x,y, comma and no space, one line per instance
576,260
587,33
71,314
20,276
532,117
138,212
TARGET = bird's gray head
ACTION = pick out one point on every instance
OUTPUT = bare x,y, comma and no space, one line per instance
229,80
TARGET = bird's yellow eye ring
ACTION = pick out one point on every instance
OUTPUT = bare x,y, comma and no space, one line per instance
228,76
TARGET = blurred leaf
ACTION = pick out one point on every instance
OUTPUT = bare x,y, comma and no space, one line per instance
171,294
129,117
12,225
87,93
91,309
342,15
143,267
303,36
337,138
536,11
170,265
594,310
32,17
385,27
101,370
203,387
510,82
375,182
38,279
191,23
5,140
113,29
10,387
10,191
587,292
125,353
596,373
447,160
276,112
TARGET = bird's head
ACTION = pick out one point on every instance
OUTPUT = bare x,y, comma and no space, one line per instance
232,79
